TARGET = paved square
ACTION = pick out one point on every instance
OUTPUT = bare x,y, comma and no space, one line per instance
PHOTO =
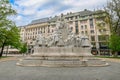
9,71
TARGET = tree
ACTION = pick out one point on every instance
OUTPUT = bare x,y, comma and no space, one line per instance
9,33
5,10
102,29
112,11
114,44
23,48
9,36
113,19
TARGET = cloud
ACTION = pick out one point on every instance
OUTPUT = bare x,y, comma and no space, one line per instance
28,3
34,9
19,18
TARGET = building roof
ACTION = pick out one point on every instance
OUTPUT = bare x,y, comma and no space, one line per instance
99,11
53,19
81,13
43,20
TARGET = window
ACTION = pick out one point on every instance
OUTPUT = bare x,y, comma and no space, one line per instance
52,30
76,23
67,18
76,17
71,28
83,16
48,29
92,31
103,45
71,18
103,38
91,23
44,29
86,32
77,31
102,30
92,38
93,43
82,32
76,27
102,24
82,27
85,26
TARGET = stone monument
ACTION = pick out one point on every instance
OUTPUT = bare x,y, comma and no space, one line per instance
62,49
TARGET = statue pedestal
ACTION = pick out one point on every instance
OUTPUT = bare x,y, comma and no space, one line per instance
62,57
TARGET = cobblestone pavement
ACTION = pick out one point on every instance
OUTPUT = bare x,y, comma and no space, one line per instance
9,71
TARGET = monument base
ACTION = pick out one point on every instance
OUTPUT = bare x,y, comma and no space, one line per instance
67,62
62,57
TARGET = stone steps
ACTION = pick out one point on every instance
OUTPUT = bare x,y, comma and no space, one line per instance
76,62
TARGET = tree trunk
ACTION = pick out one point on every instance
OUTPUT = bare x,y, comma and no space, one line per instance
1,53
7,50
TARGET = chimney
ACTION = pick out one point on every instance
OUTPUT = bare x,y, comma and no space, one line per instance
67,13
85,9
70,12
61,14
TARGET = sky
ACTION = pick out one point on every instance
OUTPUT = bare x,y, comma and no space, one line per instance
29,10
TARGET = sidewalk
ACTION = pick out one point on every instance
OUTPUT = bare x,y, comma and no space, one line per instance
111,60
16,55
8,59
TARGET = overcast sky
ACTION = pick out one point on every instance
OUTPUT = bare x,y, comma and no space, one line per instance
29,10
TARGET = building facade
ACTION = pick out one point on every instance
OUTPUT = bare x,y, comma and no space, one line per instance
90,23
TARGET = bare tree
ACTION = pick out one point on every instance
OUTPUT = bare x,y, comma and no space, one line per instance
113,18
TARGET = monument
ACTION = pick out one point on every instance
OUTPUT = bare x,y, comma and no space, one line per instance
62,49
